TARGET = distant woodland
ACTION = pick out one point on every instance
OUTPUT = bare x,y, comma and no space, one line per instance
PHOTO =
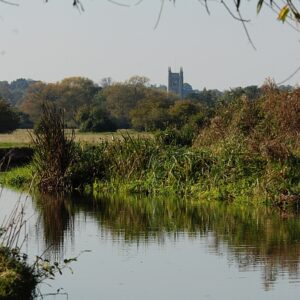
113,105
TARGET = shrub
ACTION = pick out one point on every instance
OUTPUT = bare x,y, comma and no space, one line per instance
178,137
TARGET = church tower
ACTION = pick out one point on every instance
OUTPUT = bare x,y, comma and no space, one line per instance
175,82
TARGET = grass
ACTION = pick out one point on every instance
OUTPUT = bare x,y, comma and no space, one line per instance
21,137
18,138
20,177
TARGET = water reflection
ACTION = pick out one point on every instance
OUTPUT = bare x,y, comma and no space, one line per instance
252,238
56,218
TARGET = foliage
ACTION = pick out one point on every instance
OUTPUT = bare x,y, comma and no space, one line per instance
182,111
178,137
152,111
121,98
9,119
14,92
54,151
17,280
69,94
95,119
19,177
272,118
205,97
89,164
25,122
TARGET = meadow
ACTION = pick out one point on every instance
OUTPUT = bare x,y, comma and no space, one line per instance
21,137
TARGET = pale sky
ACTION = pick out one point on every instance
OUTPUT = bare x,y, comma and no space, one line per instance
52,41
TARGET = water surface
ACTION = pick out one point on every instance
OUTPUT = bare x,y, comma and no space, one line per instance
148,248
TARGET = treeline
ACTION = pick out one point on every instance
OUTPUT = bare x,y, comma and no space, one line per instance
14,92
130,104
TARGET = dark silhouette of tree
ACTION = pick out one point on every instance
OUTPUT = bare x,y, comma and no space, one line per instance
9,119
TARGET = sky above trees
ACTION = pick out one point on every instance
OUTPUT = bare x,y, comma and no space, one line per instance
54,40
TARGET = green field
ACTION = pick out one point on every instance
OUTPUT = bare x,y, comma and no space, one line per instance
21,137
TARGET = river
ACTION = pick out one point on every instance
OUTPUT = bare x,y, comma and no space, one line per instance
162,248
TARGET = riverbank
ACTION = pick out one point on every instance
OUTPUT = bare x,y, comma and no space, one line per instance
146,166
245,150
15,156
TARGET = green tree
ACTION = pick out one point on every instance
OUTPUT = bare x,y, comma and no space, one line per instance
96,119
152,112
121,98
182,111
74,93
9,119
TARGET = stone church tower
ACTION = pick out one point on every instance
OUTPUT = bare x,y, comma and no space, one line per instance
175,83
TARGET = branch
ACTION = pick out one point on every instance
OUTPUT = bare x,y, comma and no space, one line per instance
246,31
9,3
160,13
231,13
277,12
289,77
118,3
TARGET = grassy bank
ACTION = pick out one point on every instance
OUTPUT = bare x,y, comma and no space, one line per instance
228,172
19,178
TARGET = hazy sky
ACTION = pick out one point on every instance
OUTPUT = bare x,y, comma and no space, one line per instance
52,41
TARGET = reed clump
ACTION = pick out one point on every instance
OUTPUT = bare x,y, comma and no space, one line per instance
54,150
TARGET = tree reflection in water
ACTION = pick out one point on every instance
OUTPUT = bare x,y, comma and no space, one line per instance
253,238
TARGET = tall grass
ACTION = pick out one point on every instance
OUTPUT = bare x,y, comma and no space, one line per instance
54,151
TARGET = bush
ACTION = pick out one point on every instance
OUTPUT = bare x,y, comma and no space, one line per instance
272,121
96,119
178,137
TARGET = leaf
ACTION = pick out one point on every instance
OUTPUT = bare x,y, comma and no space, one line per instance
259,5
67,261
283,13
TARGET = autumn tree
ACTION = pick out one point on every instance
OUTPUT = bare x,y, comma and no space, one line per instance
69,94
121,98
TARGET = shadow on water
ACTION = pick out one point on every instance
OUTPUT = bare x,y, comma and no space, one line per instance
252,238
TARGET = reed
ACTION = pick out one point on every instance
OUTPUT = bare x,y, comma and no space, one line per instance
54,150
